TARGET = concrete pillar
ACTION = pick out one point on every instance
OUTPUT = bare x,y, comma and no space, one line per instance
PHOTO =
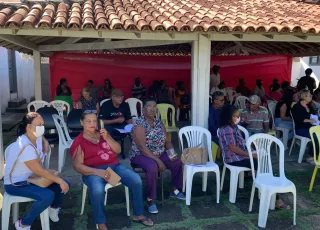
37,74
1,149
200,80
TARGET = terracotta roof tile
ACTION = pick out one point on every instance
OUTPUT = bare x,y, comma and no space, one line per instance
169,15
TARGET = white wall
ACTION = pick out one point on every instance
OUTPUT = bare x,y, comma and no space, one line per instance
299,65
25,76
4,79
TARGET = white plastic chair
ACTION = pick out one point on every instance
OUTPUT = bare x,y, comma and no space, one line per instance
37,105
285,132
108,186
15,200
65,140
230,93
241,102
303,142
133,107
236,172
103,101
268,184
196,135
60,106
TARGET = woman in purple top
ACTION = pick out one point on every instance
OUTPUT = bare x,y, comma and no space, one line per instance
232,144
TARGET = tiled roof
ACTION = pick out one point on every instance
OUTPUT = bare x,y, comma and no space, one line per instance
165,15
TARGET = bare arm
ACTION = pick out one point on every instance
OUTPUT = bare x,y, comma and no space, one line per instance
110,122
79,105
283,111
98,108
168,144
237,150
113,144
139,135
80,167
36,168
45,145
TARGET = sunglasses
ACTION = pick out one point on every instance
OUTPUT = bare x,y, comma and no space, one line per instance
90,112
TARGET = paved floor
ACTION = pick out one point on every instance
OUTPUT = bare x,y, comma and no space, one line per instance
203,213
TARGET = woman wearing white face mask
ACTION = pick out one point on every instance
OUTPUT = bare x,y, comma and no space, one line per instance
24,159
232,144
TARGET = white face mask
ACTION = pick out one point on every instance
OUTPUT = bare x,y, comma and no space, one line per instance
237,121
39,131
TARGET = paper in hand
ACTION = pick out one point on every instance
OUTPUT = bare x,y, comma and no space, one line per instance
316,118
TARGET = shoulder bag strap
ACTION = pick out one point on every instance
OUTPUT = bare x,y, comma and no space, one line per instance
16,161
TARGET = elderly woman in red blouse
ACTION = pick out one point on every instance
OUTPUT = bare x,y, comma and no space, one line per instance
93,152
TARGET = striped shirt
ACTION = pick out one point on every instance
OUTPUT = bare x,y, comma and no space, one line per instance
255,120
230,135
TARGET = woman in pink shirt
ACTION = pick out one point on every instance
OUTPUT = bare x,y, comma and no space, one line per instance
93,152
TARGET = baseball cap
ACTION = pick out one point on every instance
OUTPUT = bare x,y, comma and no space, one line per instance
254,99
117,92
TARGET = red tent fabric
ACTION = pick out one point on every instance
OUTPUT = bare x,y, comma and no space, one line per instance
122,70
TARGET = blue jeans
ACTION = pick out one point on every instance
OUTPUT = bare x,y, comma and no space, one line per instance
285,124
97,184
44,197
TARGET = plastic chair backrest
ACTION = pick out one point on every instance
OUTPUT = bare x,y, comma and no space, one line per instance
163,112
103,101
272,108
37,105
241,102
67,99
262,144
61,106
230,93
294,125
62,129
46,114
245,132
315,130
73,119
196,135
133,102
45,162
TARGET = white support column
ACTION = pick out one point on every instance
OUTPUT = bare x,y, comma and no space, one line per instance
37,74
1,149
200,80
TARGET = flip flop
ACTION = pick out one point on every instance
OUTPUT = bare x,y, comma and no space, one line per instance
143,220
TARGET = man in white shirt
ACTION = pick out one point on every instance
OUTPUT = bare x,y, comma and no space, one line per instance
215,76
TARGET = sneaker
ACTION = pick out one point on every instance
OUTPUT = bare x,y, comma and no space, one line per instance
178,195
310,160
54,214
18,226
153,209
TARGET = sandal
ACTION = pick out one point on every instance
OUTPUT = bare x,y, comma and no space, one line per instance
142,221
284,206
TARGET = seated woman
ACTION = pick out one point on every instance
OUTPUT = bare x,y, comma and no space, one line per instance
87,102
105,92
92,153
182,101
25,158
150,150
162,93
275,93
232,144
301,112
282,113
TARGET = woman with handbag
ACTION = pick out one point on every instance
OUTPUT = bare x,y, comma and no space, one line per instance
233,145
94,155
153,152
25,176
